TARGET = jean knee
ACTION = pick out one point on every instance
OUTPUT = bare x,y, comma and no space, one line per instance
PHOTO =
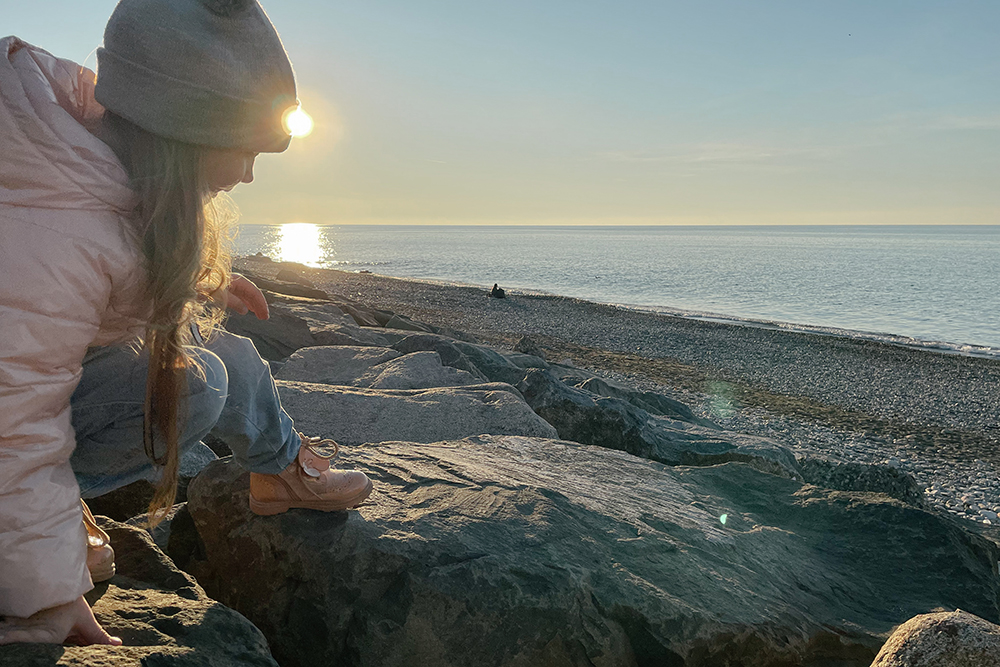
208,387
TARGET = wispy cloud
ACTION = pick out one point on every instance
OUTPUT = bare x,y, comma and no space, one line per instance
722,153
991,122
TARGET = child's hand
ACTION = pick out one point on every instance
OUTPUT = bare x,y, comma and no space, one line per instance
243,296
70,623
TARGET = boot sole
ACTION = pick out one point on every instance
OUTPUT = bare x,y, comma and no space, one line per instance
97,575
272,507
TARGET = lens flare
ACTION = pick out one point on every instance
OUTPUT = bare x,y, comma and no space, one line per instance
298,123
723,519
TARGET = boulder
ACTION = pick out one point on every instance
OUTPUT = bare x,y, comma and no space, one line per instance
861,477
132,500
334,364
942,639
284,287
275,338
417,370
353,416
527,345
362,316
448,350
162,615
493,365
522,360
590,419
522,551
291,276
405,324
653,403
348,334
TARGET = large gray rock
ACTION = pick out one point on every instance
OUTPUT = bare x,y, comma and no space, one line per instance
521,551
651,402
418,370
348,334
352,415
275,338
372,367
615,423
862,477
333,364
451,355
943,639
162,615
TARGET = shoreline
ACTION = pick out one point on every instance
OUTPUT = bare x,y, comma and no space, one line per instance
932,414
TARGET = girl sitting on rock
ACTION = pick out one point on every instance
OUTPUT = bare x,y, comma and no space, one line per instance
111,250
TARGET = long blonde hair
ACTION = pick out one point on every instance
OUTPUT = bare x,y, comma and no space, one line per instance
183,242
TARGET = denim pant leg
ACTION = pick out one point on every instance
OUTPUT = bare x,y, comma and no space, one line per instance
235,399
252,423
107,413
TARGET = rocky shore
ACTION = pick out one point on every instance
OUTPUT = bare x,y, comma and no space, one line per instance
935,416
564,483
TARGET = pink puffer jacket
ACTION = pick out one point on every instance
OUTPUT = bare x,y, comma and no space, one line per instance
70,278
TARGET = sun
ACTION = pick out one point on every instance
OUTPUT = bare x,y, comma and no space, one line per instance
298,122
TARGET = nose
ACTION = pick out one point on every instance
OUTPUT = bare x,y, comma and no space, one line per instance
248,171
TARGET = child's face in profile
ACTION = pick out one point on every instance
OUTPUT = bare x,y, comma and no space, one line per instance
226,168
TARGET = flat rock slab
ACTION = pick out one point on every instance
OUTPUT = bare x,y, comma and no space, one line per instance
526,551
162,615
355,415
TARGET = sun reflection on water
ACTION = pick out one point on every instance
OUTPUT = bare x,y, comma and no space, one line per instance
300,243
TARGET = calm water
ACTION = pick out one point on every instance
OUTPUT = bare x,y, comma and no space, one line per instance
936,284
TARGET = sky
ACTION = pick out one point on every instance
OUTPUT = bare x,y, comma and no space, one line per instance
641,112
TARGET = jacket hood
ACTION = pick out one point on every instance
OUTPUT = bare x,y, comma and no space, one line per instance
50,159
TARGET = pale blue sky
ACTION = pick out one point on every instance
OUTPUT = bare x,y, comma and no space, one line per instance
641,112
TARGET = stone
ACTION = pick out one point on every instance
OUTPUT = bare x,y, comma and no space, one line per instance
334,364
611,422
283,287
132,500
449,351
942,639
861,477
405,324
491,364
290,276
523,551
349,335
527,345
162,615
353,416
275,338
372,367
651,402
417,370
522,360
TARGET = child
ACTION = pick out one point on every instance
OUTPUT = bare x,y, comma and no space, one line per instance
110,252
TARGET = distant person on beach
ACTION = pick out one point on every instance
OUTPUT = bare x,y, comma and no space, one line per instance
111,266
497,292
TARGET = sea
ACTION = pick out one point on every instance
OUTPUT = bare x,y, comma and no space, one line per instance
932,287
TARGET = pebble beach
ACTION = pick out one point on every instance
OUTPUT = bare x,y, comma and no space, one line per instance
931,414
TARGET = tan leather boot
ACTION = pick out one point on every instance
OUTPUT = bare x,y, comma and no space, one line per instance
100,555
309,483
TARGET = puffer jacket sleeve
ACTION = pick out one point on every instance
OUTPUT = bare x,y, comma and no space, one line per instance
53,287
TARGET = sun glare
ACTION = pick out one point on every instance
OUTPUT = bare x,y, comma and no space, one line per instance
298,122
300,243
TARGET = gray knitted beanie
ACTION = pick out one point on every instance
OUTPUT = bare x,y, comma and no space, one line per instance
209,72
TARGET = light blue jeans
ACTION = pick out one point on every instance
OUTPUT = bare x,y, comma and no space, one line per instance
236,401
